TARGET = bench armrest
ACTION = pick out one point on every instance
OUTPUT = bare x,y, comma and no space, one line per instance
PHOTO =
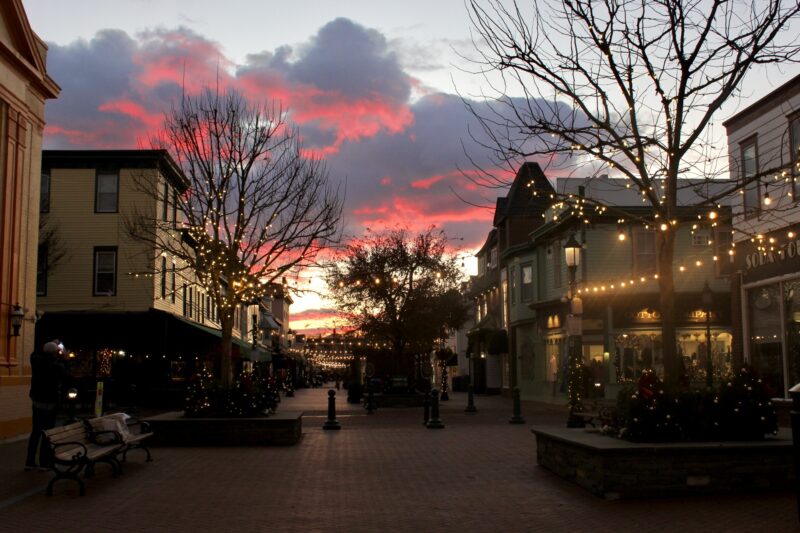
143,427
78,456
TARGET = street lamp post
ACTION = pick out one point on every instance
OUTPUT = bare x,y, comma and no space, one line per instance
708,299
572,253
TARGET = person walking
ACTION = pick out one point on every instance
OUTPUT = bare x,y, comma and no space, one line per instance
47,378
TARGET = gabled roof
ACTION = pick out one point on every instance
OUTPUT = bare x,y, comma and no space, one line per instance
24,48
520,201
491,239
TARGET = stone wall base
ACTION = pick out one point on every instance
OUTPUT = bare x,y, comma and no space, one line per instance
173,429
612,468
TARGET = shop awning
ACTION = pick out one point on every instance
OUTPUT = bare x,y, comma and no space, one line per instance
259,355
498,343
241,343
270,323
487,324
213,331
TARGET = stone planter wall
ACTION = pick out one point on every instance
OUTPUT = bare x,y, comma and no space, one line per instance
612,468
173,429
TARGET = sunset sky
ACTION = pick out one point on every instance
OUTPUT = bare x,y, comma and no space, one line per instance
375,86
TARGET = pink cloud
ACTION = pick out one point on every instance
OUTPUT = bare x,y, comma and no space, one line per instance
182,58
470,179
426,183
315,321
136,111
73,136
418,213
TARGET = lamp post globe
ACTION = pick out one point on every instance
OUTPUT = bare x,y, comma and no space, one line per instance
572,252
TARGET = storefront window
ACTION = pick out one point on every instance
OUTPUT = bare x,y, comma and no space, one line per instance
637,352
552,359
593,359
693,350
791,293
765,336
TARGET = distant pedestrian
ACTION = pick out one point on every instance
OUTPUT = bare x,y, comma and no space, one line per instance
338,382
48,375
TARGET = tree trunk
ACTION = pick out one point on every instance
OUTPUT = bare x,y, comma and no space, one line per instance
226,363
666,285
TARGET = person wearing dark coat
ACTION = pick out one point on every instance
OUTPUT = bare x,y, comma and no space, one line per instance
47,377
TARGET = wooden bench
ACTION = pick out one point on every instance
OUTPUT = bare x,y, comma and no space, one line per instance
133,432
77,448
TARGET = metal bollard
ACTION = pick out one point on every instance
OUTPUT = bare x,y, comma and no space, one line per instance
470,400
426,408
434,422
516,418
794,392
331,422
370,402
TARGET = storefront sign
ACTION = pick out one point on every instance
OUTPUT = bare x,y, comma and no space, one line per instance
774,255
759,259
699,315
646,316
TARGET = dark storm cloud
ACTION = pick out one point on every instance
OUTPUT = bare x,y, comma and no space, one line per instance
89,73
350,59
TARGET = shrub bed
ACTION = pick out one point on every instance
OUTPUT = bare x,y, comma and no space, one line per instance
739,409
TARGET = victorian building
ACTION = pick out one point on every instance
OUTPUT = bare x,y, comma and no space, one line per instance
522,289
763,150
24,88
127,312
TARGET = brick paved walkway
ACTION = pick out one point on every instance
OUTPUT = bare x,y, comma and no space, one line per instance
380,473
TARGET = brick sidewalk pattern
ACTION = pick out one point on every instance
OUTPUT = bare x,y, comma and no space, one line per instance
381,473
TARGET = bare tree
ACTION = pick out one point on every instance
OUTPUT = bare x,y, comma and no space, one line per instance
255,205
50,244
628,87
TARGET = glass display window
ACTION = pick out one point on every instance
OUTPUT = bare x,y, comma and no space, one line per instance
791,298
766,347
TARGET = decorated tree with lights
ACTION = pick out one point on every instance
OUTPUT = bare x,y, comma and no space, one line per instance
200,394
629,89
254,206
400,289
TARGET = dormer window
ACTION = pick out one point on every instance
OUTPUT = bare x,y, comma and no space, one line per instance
481,265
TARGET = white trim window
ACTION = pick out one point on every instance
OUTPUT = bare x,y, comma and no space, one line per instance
105,271
107,193
751,199
644,251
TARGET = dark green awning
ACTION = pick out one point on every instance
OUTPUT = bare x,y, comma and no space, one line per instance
498,343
